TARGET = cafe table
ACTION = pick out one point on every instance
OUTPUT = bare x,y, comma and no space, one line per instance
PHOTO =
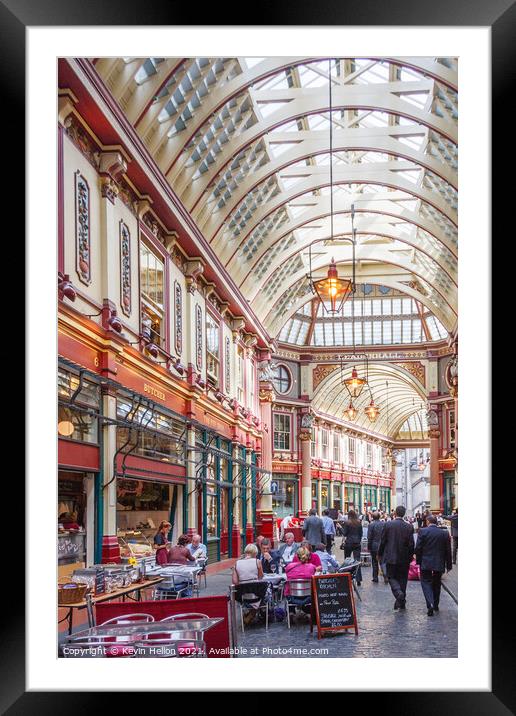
89,601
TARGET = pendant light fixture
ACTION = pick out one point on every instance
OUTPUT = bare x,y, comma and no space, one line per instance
372,411
355,384
351,412
332,290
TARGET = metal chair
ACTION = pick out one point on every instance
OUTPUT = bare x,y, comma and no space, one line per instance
301,591
170,648
186,615
252,595
171,588
127,619
202,573
352,569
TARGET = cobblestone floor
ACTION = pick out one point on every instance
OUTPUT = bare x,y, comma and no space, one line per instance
382,632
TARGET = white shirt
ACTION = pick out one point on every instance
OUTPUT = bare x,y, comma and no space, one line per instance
289,553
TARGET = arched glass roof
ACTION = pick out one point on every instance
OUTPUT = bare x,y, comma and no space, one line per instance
244,143
377,315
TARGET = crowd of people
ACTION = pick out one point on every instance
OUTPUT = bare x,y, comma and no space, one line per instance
394,541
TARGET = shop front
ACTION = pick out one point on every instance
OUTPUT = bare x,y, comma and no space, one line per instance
337,495
384,499
150,476
449,503
352,497
284,490
370,498
325,496
78,467
216,500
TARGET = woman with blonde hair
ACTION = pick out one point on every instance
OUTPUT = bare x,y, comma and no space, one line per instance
248,567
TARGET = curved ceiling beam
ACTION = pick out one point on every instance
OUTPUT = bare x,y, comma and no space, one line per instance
306,145
252,284
268,68
376,255
393,281
364,203
317,180
303,102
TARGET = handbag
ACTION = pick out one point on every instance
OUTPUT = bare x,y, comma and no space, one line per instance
414,571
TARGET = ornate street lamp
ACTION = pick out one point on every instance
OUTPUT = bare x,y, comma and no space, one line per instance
355,384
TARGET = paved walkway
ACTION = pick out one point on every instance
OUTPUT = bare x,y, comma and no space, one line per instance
382,632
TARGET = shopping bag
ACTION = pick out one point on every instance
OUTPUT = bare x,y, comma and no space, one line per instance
413,572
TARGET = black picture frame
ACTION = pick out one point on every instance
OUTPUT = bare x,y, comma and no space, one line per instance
500,16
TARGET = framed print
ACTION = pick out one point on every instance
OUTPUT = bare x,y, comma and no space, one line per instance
315,199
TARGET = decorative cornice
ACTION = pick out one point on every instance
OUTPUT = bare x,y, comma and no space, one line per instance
321,372
416,369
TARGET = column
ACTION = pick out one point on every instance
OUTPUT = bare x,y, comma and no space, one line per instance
236,539
305,437
249,530
110,547
193,520
330,495
435,491
264,514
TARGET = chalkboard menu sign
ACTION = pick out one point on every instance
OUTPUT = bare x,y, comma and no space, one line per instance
333,602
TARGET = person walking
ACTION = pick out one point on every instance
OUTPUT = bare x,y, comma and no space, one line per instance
352,532
433,554
454,519
397,551
329,530
374,535
313,530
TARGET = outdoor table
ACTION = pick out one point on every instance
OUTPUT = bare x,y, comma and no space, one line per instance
276,581
89,600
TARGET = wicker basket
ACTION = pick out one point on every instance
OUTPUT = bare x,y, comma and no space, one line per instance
70,594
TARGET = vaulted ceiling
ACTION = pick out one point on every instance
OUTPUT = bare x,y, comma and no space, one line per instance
244,143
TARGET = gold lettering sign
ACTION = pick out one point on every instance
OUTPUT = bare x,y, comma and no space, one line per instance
154,391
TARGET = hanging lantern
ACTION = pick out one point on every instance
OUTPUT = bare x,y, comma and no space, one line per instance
333,289
355,384
351,412
65,428
372,411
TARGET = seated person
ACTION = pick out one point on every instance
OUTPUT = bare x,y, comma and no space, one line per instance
328,561
314,558
287,551
268,557
301,568
248,569
197,549
180,554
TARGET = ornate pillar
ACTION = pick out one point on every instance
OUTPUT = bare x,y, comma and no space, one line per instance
305,437
193,520
264,514
236,538
434,434
110,547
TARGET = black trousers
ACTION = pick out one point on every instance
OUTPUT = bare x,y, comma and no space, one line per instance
355,550
329,542
397,575
431,586
455,548
374,563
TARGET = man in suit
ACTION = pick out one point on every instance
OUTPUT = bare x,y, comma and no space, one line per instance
454,519
313,530
288,550
374,535
433,554
397,550
268,557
